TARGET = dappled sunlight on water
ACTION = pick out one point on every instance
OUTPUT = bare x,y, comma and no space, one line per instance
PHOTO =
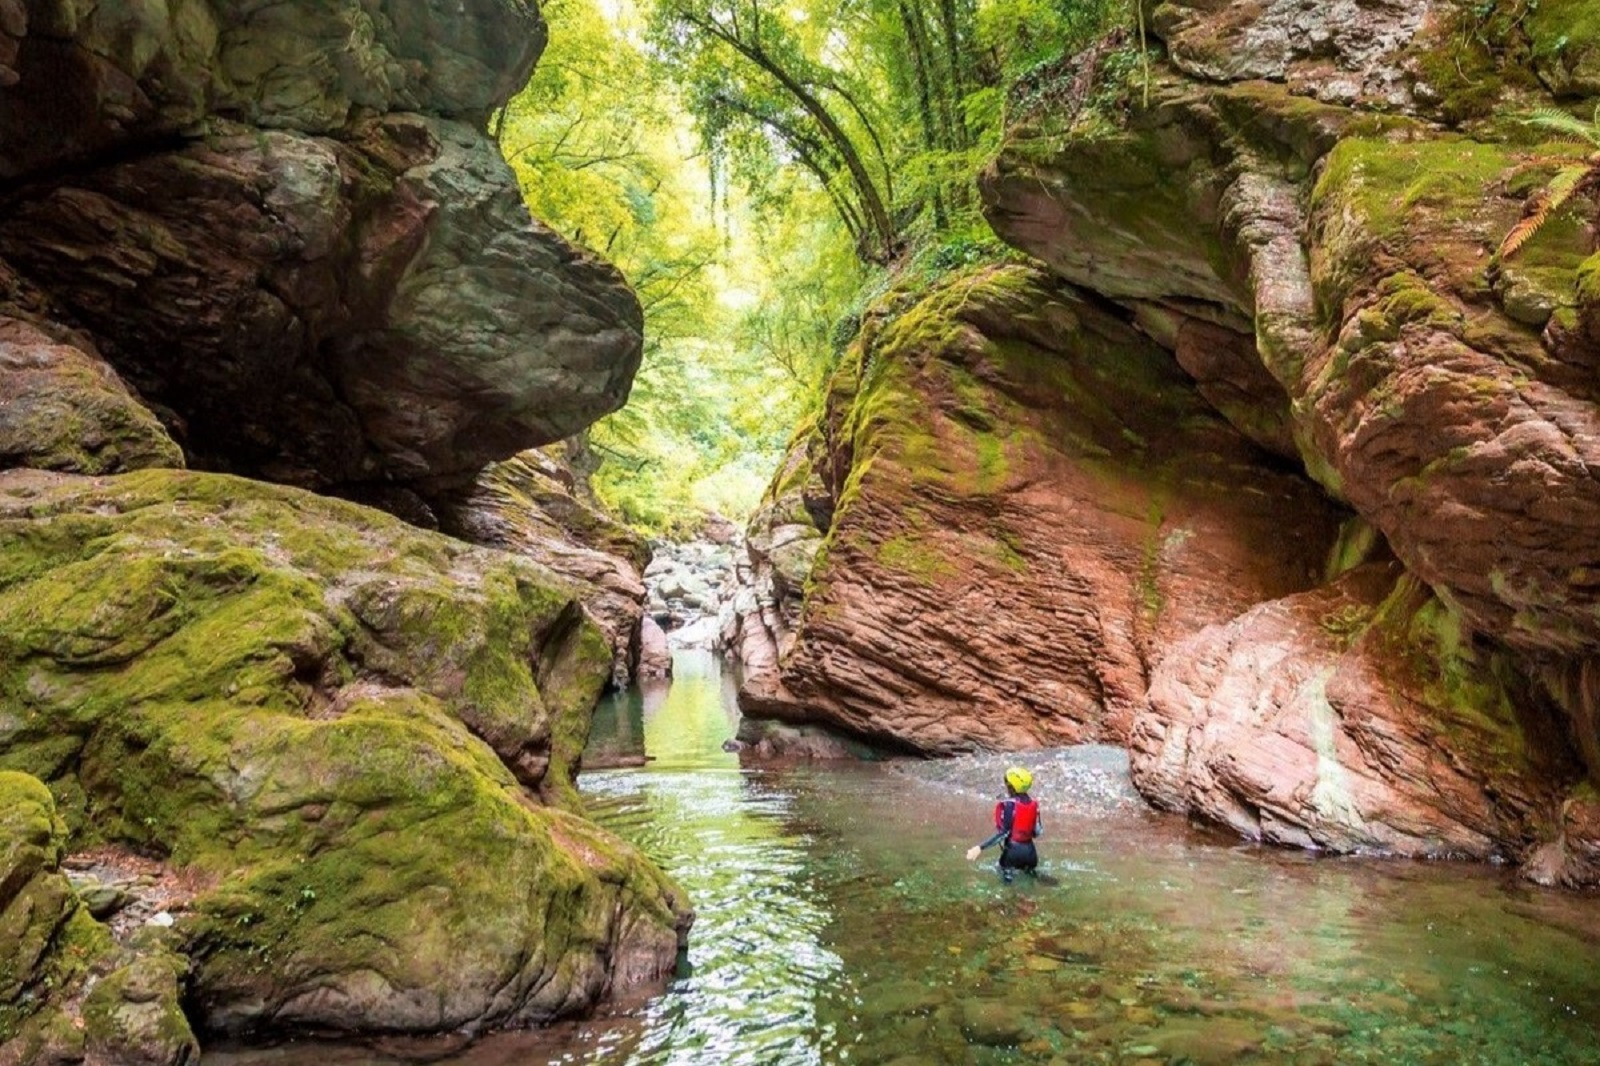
838,923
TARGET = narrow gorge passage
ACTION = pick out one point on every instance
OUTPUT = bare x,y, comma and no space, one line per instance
838,923
534,532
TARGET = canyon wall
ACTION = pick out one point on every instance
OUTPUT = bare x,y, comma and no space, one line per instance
1367,621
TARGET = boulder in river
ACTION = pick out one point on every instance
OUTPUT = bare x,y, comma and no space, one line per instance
357,736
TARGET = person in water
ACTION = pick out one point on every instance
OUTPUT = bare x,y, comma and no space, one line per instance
1017,825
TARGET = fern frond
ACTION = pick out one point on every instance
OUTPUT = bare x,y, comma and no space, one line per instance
1567,181
1523,231
1557,121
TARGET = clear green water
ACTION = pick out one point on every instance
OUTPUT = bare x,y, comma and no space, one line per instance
838,923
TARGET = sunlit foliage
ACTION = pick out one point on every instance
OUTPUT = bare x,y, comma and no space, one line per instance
757,169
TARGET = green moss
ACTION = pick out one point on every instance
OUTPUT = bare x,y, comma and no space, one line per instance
134,1011
1386,182
1359,541
336,713
1564,39
916,557
1473,696
1007,549
1588,283
47,940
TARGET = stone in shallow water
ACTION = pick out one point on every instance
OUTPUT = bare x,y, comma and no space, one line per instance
993,1023
1217,1041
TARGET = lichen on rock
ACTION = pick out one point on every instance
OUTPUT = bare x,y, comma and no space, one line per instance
360,734
1022,507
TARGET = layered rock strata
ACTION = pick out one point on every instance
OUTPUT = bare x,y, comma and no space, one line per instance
1027,500
1300,204
1317,183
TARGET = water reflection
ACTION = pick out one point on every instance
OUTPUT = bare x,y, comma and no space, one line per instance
728,838
838,924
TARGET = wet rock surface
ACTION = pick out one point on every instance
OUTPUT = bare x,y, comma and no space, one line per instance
1355,717
1092,780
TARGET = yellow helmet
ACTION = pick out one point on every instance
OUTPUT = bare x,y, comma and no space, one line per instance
1019,779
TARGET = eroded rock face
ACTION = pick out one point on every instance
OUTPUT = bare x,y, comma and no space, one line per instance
317,711
1357,716
530,505
285,228
1429,386
1336,50
1288,197
1029,501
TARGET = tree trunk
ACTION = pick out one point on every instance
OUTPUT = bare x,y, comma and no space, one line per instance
867,193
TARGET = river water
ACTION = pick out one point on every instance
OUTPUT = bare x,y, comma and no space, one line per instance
839,923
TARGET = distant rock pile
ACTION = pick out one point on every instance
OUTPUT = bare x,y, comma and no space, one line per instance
691,587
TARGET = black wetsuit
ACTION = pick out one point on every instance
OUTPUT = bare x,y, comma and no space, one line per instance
1015,855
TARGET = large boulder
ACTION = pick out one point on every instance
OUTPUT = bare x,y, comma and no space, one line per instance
334,313
63,408
357,736
284,227
1029,500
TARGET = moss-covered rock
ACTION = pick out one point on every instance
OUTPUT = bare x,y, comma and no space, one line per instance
1021,502
63,408
359,735
67,990
534,505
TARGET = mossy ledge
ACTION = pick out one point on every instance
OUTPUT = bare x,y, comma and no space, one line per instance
357,735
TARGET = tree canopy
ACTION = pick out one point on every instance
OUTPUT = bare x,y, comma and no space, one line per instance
757,169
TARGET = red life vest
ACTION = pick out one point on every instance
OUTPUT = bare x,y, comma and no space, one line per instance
1024,818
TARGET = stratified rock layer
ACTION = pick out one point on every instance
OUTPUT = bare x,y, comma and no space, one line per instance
1287,200
1357,716
359,736
1028,499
